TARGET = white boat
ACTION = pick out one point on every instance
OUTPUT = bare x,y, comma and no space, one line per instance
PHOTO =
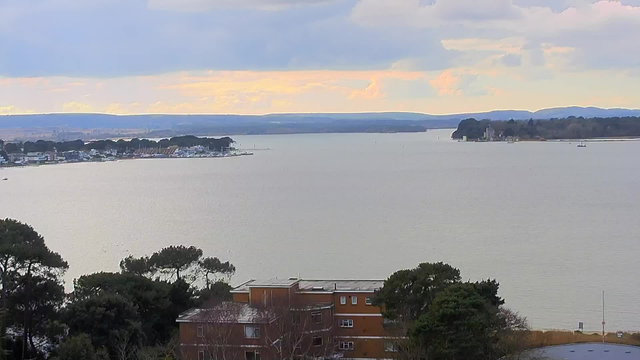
582,145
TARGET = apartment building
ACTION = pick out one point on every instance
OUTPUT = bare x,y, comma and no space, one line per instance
290,318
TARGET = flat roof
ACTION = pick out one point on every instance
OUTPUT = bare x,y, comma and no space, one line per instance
588,351
314,285
275,283
226,312
341,285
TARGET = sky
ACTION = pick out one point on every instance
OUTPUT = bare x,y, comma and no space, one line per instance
280,56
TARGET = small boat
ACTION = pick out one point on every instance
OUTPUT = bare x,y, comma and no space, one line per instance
5,179
582,145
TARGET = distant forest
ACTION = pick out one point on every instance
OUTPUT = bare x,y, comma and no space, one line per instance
221,144
568,128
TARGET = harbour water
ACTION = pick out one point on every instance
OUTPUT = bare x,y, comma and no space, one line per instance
553,223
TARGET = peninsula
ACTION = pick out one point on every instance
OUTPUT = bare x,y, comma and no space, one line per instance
552,129
50,152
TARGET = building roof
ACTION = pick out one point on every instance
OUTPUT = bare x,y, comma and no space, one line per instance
314,285
226,312
340,285
595,351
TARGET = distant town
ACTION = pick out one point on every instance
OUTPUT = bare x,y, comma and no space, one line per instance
48,152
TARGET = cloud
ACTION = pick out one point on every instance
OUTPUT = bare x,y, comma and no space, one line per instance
205,5
11,109
588,26
448,83
254,56
372,91
510,45
511,60
116,108
77,107
106,39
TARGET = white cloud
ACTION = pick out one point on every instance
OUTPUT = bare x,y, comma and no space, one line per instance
508,45
77,107
592,28
372,91
453,83
202,5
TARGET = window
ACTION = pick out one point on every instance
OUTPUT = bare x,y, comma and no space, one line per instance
343,300
296,319
346,345
251,355
346,323
316,317
252,332
317,341
390,346
354,300
201,354
200,331
368,300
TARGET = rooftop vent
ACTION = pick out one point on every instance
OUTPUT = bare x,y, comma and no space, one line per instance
317,288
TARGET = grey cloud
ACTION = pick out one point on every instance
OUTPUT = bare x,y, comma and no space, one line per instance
475,10
511,60
588,29
200,5
116,38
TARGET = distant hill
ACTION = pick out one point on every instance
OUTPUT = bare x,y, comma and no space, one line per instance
64,126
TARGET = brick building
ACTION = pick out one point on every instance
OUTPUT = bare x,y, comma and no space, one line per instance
287,319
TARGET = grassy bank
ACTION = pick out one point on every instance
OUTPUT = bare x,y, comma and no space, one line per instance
550,338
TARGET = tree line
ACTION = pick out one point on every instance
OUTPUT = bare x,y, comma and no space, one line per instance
567,128
428,311
221,144
126,315
436,316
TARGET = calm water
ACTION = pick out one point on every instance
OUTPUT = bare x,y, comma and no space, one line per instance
555,224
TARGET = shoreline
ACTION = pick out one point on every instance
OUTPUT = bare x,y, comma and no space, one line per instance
592,140
9,166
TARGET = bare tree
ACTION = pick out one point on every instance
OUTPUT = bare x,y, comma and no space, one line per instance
515,337
221,331
401,346
170,350
293,333
123,346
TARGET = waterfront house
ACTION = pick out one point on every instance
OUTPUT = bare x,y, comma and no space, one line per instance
36,157
489,133
289,318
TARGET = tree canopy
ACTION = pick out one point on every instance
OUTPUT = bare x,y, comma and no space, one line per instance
439,317
121,145
102,317
212,266
568,128
28,269
174,260
77,347
461,323
138,266
108,315
407,294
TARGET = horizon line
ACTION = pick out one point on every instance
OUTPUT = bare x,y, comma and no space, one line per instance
320,113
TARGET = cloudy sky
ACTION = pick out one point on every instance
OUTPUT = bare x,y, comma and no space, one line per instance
264,56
